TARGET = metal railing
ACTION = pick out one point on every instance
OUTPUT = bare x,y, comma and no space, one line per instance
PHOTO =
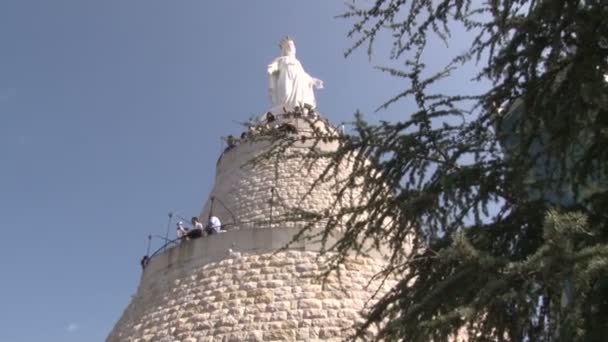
243,225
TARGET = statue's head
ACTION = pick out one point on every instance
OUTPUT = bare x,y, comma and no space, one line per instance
288,46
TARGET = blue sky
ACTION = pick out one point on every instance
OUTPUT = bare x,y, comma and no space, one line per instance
111,114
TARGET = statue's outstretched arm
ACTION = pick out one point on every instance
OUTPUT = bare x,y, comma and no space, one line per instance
317,83
273,67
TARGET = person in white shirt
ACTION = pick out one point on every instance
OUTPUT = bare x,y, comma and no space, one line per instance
181,231
214,225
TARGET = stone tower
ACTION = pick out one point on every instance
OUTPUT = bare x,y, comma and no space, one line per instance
249,283
237,285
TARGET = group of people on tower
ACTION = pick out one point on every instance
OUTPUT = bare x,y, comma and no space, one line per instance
214,226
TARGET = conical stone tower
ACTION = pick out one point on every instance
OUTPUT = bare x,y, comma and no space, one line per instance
244,284
236,286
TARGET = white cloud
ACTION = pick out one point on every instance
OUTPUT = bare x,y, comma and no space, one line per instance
72,327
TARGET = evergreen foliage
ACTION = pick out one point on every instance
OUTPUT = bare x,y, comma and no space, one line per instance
501,196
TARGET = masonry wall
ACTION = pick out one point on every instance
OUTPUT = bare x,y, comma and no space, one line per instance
251,195
201,292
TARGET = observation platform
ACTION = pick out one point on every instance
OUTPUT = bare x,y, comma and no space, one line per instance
188,255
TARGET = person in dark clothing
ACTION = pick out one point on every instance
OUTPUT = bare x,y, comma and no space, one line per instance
144,261
197,228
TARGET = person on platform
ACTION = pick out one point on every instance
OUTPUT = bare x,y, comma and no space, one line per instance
181,231
214,226
144,261
197,228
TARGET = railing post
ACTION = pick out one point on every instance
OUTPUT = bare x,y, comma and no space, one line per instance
168,227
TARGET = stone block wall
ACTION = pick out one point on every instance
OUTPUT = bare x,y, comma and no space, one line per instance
250,297
250,195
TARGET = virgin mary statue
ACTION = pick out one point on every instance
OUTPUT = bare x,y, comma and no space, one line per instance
290,85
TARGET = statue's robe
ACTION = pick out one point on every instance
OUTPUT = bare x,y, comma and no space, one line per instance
290,85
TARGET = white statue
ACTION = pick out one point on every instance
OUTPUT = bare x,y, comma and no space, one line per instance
290,85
